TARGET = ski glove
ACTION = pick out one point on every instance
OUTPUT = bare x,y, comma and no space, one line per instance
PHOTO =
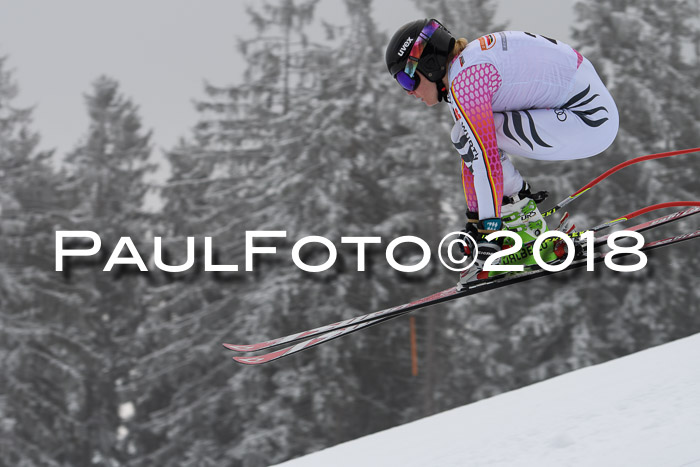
470,230
487,248
478,230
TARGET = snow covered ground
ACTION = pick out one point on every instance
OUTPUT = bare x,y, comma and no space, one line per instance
641,410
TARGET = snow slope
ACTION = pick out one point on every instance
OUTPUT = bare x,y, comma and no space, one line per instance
640,410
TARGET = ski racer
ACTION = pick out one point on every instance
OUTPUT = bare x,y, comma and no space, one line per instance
508,92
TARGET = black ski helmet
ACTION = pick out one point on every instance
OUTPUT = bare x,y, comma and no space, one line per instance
433,61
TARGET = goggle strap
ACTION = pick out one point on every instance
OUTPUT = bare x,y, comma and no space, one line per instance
419,45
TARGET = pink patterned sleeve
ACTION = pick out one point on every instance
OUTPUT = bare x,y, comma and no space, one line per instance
472,91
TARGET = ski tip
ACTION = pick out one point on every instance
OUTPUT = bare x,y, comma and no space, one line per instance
232,347
245,348
250,360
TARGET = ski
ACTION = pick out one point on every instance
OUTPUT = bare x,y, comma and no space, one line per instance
599,241
449,294
585,188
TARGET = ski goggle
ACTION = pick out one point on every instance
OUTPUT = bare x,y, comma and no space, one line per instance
408,79
409,83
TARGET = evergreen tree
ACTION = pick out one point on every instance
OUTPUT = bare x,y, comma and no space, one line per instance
466,18
593,324
225,181
499,346
342,160
320,141
277,57
93,315
568,322
33,403
654,75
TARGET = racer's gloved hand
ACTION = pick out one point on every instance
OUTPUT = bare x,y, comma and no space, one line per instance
487,248
470,230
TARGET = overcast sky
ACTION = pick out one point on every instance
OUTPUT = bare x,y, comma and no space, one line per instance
162,51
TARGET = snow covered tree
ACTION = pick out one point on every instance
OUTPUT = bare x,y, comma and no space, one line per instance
568,323
320,141
342,160
74,372
466,18
636,48
223,183
32,406
503,346
277,57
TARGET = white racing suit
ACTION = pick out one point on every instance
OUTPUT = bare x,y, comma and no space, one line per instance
527,95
